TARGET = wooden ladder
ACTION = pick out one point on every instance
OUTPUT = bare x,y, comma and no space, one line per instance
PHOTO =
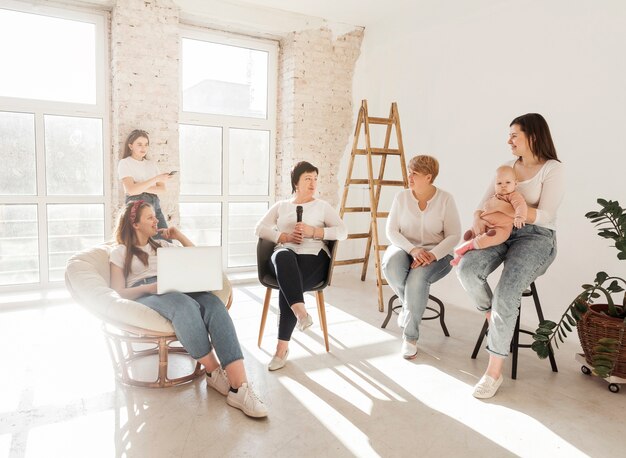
375,185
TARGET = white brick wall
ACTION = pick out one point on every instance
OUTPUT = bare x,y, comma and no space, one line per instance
315,105
314,95
145,87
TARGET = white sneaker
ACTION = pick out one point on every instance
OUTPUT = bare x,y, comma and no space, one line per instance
278,363
409,349
218,380
246,400
486,387
304,323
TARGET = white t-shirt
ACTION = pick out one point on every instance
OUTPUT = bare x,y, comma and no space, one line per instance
437,228
544,192
317,213
138,170
138,271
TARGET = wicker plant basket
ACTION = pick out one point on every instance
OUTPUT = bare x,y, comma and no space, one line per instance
595,325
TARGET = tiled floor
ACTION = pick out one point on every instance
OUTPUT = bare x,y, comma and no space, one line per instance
58,397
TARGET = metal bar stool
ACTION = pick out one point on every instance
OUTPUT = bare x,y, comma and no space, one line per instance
515,344
438,313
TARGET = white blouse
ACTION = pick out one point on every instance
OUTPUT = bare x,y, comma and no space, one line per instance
281,217
437,228
544,192
138,271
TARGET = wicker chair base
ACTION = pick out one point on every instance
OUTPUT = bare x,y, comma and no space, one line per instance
595,325
129,345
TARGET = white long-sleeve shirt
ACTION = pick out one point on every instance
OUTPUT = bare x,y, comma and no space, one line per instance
281,217
544,192
437,228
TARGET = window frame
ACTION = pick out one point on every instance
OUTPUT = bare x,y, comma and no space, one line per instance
40,108
226,122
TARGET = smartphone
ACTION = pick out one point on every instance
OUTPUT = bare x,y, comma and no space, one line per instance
173,172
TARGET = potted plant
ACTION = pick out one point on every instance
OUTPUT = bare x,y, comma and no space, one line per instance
601,326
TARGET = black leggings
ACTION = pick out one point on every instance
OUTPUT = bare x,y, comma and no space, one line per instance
296,273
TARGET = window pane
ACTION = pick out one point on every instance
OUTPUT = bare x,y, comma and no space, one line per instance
18,174
74,158
200,160
49,58
223,79
202,223
242,217
19,246
72,228
249,162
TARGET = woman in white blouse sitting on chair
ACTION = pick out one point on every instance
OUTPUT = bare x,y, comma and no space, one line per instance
301,257
423,227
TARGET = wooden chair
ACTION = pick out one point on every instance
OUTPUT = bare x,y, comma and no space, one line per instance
515,343
128,326
264,250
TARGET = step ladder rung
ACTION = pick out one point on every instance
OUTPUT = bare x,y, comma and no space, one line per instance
378,151
364,235
345,262
374,183
375,120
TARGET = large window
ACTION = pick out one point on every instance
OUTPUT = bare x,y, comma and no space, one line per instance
52,179
227,137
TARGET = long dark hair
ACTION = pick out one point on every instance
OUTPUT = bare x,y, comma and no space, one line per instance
298,169
134,135
539,138
125,234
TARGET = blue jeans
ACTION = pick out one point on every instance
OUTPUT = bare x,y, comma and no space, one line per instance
412,285
527,254
153,200
200,320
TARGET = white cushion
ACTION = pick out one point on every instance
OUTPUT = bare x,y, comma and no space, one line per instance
87,277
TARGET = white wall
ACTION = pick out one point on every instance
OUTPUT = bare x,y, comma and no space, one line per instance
461,71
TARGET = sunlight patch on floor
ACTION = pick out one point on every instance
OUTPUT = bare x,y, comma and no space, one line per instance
452,397
349,435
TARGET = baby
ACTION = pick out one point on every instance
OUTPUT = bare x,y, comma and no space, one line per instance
499,223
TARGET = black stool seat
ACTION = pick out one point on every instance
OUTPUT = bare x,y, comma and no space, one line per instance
515,344
438,313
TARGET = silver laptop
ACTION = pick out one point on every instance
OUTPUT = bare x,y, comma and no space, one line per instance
189,269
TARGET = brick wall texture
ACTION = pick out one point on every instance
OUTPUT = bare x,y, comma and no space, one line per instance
145,87
314,96
315,105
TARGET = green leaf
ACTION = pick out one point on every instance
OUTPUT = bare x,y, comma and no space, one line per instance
561,339
621,256
541,348
571,320
602,202
547,324
607,341
591,215
603,349
540,337
595,295
543,331
601,277
580,306
567,326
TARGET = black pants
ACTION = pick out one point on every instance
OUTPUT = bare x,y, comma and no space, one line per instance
296,273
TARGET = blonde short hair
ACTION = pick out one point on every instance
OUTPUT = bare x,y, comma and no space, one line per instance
425,165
